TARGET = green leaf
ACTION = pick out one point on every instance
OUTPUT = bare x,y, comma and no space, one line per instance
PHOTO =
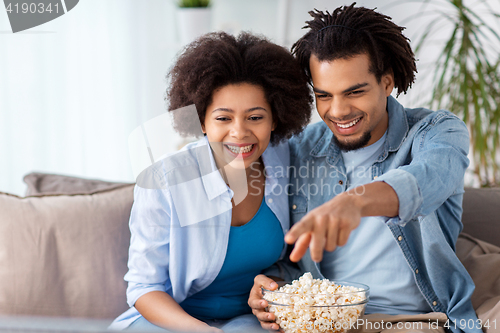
467,78
193,3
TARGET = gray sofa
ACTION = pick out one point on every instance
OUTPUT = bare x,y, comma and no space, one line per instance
64,248
481,216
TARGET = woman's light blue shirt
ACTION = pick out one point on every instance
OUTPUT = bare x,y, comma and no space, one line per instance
180,222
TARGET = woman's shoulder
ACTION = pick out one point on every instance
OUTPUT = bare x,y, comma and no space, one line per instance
179,164
188,155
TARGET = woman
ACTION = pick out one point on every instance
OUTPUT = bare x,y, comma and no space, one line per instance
207,220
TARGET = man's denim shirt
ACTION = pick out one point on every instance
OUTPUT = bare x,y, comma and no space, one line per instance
424,160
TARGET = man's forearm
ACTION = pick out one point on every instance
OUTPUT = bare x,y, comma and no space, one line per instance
375,199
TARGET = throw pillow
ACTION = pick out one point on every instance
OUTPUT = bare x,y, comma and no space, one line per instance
482,261
65,255
44,183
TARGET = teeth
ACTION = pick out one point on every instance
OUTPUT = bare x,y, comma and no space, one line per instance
240,150
352,123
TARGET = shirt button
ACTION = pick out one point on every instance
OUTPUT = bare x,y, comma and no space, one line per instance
270,200
400,238
416,271
341,182
434,303
294,207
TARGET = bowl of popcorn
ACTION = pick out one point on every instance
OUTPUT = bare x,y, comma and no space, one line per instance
317,305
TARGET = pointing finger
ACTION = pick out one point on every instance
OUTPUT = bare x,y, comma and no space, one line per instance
318,240
303,226
300,247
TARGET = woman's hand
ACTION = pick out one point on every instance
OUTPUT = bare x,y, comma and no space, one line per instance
258,304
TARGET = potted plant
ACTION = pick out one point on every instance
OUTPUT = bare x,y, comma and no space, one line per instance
193,19
467,75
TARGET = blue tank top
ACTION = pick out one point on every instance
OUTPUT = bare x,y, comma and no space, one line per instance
252,247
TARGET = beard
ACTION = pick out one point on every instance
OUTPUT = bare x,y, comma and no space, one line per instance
353,145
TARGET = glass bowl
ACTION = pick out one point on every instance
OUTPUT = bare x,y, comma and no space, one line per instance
338,311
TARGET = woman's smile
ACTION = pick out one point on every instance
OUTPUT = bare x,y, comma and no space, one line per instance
243,150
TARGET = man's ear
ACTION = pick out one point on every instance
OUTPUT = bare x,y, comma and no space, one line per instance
203,129
387,81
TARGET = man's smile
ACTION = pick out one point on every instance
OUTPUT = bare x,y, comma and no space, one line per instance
350,124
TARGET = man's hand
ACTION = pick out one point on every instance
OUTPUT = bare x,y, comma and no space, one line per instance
329,225
258,304
325,227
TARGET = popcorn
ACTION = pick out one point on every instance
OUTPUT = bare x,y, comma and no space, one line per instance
315,305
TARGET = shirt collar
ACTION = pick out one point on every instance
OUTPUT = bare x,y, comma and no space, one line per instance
398,125
273,162
212,180
325,145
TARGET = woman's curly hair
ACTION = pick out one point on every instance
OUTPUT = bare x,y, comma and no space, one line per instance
350,31
218,59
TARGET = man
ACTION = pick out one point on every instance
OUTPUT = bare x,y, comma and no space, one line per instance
383,182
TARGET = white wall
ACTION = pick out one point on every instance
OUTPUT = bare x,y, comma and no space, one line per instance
73,89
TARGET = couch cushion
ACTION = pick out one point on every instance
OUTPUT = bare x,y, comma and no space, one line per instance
65,255
481,216
44,183
482,261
